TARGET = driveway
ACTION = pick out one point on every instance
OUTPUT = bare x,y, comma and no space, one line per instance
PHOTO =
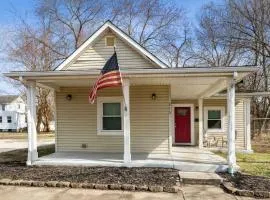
189,192
13,144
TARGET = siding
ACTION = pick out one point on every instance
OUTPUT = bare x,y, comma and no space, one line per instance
77,121
239,118
96,56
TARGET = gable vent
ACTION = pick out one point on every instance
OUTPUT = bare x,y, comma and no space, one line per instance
110,41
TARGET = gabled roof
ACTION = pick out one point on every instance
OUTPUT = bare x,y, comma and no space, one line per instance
4,99
121,34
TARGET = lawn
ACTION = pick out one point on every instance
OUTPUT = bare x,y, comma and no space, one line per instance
254,164
23,136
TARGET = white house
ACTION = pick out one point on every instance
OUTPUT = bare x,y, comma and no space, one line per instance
12,113
169,118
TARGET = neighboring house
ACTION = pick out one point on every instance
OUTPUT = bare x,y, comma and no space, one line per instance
165,107
12,113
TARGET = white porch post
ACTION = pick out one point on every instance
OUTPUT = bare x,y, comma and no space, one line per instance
247,125
31,123
127,154
231,125
200,103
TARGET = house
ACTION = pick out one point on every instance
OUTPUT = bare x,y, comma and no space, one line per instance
169,114
12,113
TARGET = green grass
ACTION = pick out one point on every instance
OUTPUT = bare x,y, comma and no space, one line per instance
255,164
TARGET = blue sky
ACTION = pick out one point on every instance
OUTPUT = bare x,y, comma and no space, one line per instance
23,7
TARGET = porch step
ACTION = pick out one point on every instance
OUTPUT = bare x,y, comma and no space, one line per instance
200,178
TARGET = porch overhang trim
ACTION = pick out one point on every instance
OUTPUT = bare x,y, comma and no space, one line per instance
218,71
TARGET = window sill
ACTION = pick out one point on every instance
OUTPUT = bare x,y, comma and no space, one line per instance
110,133
220,131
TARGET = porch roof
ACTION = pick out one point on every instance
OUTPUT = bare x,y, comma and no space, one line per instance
186,83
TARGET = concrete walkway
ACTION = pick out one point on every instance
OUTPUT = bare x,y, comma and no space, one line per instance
193,192
183,158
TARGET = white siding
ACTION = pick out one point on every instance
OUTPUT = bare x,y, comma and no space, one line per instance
95,57
77,121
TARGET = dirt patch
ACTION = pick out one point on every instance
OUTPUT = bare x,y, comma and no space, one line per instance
20,155
248,182
98,175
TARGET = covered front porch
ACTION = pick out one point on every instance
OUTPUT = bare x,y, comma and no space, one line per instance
146,138
182,158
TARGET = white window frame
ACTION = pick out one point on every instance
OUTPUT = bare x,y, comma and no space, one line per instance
114,41
100,101
222,113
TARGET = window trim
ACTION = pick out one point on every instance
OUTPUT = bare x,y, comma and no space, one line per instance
100,101
222,117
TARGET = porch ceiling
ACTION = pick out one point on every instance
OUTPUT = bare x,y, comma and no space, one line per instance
181,87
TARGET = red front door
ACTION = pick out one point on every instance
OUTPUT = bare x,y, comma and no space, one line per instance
182,125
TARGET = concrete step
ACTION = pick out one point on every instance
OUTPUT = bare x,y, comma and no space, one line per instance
200,178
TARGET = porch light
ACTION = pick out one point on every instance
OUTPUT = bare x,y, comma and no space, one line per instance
69,97
154,96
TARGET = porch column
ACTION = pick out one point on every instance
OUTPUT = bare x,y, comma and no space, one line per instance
247,124
231,124
127,154
200,103
31,123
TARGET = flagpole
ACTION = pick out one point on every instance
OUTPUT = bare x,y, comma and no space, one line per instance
125,104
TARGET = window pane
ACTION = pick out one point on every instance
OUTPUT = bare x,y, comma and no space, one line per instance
111,109
214,124
111,123
214,114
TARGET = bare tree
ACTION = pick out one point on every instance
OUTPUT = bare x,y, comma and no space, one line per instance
31,48
211,48
73,20
149,22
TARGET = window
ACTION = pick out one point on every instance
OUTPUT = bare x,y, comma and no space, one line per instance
110,41
214,119
3,107
19,106
0,119
110,115
9,119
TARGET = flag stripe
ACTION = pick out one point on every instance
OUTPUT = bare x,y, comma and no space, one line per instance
109,79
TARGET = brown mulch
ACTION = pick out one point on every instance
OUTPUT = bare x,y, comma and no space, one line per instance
12,166
248,182
100,175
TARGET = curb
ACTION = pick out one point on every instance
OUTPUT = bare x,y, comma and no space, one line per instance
64,184
228,187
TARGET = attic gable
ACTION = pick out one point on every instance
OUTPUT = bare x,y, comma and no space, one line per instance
94,52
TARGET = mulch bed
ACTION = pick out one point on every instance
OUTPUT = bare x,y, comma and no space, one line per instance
248,182
247,185
97,175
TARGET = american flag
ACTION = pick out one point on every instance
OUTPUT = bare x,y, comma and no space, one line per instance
110,77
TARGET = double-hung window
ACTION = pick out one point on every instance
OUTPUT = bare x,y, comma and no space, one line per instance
214,119
9,120
110,115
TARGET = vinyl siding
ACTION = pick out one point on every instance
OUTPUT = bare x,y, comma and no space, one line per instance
239,119
95,56
77,121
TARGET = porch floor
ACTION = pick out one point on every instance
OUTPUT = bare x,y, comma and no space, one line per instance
182,158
